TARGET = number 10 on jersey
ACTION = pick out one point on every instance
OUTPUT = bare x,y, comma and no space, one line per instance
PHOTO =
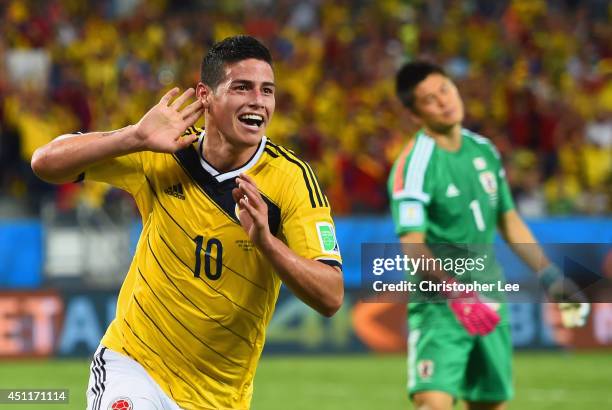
208,270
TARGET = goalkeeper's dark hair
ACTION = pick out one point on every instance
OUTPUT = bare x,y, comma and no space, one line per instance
228,51
409,76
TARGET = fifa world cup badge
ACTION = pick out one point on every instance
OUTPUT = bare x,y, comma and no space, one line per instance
327,238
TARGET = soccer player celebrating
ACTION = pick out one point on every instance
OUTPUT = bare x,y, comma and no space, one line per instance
227,215
448,187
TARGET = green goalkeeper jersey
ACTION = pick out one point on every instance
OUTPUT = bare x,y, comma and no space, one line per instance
453,197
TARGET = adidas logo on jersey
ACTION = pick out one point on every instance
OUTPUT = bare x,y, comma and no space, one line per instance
176,191
452,191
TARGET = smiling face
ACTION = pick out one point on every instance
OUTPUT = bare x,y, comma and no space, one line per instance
437,103
241,106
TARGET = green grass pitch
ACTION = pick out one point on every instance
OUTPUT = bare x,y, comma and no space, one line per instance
544,381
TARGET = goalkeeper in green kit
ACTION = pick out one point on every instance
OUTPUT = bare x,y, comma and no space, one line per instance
448,187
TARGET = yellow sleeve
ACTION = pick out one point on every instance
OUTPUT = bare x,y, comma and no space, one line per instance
307,225
125,172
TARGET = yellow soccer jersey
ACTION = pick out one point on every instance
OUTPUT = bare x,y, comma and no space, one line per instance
196,301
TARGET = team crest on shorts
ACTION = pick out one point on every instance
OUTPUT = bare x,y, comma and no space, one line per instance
121,403
425,369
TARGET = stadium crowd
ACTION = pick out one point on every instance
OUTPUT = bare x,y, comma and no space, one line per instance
536,77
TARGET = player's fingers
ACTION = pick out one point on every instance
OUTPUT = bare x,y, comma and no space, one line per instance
240,193
471,329
484,328
237,195
260,220
241,178
252,194
249,183
178,103
168,96
192,108
183,143
247,178
247,198
247,206
193,117
247,188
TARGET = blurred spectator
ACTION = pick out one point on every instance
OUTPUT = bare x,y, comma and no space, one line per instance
562,193
599,130
530,200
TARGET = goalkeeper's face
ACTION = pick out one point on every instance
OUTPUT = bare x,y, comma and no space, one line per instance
242,105
437,103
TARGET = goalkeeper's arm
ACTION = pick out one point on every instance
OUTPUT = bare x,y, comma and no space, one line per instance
572,302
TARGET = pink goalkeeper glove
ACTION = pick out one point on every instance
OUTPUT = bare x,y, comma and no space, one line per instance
476,316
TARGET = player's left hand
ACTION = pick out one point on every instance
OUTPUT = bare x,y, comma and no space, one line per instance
572,302
574,314
253,210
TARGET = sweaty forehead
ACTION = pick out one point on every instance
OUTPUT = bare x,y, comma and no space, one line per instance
254,70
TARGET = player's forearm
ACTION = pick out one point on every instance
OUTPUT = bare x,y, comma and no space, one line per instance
64,158
318,285
518,236
414,246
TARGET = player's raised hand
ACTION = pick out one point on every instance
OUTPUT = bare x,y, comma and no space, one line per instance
253,210
162,127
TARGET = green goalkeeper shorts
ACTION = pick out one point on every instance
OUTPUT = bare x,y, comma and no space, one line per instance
443,356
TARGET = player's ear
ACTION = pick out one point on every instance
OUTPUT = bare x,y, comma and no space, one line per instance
203,93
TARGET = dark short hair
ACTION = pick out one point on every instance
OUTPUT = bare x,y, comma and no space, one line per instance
228,51
409,76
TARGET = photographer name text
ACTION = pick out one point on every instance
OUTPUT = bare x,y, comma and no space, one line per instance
444,286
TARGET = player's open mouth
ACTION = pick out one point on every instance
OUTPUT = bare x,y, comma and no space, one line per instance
251,120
